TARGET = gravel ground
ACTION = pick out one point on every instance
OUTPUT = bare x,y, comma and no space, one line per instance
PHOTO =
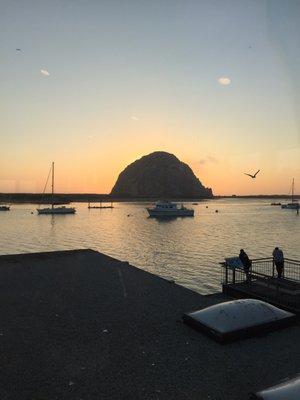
81,325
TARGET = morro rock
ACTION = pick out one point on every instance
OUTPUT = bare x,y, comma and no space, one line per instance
159,175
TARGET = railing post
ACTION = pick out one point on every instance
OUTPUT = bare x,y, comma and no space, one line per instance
233,275
273,269
226,274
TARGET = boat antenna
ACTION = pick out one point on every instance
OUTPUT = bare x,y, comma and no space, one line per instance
291,190
52,185
43,194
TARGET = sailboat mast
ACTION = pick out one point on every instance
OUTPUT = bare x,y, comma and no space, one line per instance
293,189
52,185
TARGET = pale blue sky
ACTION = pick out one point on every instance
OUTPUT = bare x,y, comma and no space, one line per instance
130,77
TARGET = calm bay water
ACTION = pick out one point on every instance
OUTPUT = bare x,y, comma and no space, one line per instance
187,250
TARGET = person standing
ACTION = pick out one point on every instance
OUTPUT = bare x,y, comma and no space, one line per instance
278,260
243,256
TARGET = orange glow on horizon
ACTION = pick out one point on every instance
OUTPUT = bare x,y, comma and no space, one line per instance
91,174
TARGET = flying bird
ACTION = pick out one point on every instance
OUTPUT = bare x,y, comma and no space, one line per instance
18,50
252,176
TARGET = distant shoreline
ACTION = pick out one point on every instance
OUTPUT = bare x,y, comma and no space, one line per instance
64,198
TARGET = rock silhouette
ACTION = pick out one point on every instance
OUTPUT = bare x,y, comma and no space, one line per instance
159,175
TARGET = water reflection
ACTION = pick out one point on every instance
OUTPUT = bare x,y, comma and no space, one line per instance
52,221
185,249
164,219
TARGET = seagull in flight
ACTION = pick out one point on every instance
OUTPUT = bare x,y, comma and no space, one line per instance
252,176
19,49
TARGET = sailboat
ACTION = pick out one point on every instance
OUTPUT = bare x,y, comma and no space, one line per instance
294,205
55,210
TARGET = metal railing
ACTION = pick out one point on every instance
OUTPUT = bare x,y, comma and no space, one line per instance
261,280
264,267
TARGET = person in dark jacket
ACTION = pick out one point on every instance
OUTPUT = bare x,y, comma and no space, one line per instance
278,259
243,256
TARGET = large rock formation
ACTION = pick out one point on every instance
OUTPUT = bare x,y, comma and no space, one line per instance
159,175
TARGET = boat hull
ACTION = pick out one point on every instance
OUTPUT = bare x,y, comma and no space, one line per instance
291,206
4,208
170,213
56,210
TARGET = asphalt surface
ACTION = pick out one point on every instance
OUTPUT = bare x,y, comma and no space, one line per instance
81,325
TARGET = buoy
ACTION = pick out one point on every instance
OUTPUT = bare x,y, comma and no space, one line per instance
216,211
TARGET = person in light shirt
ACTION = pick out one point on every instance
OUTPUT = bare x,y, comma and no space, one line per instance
278,261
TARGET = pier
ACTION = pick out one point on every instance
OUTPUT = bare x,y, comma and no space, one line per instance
263,283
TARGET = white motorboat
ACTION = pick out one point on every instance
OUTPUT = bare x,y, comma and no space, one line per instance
4,208
294,205
169,209
55,210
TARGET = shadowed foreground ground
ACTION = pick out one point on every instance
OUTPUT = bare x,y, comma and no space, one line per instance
81,325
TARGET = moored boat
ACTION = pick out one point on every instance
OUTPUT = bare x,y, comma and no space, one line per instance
55,210
294,205
4,208
169,209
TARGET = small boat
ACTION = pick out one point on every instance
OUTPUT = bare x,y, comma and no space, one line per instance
169,209
195,204
291,206
55,210
294,205
4,208
275,204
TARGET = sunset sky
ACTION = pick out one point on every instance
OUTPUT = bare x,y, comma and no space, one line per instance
94,85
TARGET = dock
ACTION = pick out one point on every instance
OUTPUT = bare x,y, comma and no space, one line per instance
101,206
82,325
